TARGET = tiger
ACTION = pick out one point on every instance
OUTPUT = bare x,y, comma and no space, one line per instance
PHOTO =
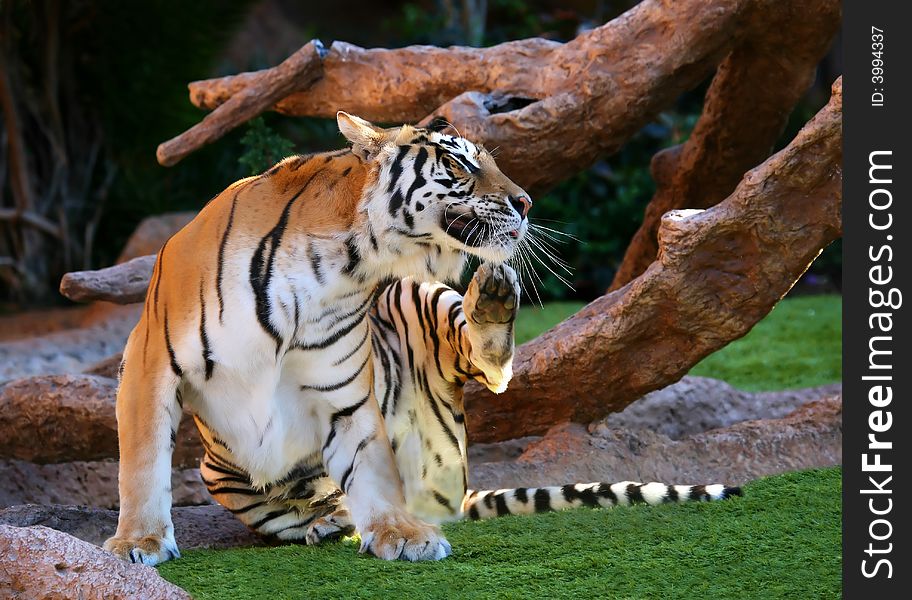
299,317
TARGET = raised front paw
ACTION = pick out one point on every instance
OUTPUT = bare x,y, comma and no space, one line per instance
401,536
493,295
148,550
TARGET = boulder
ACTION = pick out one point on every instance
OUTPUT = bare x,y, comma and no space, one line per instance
61,418
58,418
210,526
41,563
92,483
809,437
697,404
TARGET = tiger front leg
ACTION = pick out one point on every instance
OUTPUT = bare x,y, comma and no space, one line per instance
148,414
490,305
358,456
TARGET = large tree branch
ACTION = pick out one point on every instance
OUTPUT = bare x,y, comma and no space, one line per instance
125,283
587,96
746,109
718,272
298,71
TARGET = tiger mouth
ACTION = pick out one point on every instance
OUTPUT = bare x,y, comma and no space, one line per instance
464,226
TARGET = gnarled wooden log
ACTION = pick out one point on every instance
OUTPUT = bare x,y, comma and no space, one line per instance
746,109
296,72
551,109
125,283
718,272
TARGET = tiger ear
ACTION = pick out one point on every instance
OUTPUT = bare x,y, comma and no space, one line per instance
365,137
438,124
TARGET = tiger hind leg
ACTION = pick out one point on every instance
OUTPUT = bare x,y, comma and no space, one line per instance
494,503
306,506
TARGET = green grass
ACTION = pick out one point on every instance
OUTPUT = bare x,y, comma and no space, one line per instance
782,540
799,344
534,320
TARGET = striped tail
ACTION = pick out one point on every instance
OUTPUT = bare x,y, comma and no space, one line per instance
482,504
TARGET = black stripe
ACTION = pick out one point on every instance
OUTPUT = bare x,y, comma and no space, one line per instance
221,257
396,171
521,494
431,308
698,492
161,266
671,494
473,513
232,479
443,501
248,508
501,503
229,490
337,386
315,263
361,445
354,256
269,517
489,501
332,338
356,348
174,366
731,491
387,373
586,496
261,267
542,499
342,414
635,493
204,337
373,238
223,470
439,416
605,491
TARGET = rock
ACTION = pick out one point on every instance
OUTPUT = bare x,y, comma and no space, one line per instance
697,404
106,367
210,526
41,563
102,331
152,233
809,437
60,418
500,451
90,483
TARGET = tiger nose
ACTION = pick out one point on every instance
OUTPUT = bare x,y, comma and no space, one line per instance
520,204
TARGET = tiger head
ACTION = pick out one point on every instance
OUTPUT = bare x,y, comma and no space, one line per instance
439,189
